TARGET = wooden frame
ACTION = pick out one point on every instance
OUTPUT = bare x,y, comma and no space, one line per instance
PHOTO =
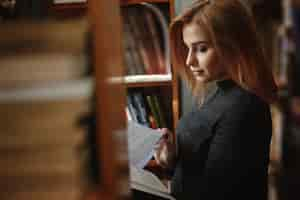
105,23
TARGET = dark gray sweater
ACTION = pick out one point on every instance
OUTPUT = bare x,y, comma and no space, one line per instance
223,148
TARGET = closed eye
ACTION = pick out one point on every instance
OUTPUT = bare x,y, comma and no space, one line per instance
202,48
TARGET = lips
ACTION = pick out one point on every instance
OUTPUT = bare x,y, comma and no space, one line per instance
197,72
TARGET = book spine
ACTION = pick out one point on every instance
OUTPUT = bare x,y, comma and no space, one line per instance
141,37
131,108
130,62
136,39
139,102
159,112
154,112
148,40
128,114
140,69
152,121
150,20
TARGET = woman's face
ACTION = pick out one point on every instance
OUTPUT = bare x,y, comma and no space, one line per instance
202,59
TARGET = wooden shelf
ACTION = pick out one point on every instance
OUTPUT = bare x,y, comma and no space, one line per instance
64,6
128,2
82,7
149,84
148,80
69,10
79,9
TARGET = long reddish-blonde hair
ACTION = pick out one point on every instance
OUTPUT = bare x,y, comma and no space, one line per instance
231,27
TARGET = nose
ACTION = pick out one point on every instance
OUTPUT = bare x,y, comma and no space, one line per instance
191,59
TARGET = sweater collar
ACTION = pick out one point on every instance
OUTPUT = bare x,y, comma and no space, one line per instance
226,84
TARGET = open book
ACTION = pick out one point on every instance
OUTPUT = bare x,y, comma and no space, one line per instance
145,181
141,143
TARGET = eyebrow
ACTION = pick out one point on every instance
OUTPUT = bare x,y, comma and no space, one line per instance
197,43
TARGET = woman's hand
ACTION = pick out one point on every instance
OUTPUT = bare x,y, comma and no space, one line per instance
165,151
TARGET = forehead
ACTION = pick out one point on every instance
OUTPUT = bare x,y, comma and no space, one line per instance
193,33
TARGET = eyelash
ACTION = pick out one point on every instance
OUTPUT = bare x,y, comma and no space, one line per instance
201,49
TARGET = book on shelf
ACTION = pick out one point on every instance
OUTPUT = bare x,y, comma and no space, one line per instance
156,111
138,36
146,38
145,109
43,144
139,103
133,60
155,38
40,139
160,114
153,110
141,143
38,57
144,32
132,110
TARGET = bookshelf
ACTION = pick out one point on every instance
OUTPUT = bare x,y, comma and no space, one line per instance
126,2
290,101
136,84
108,79
284,163
170,2
141,81
165,85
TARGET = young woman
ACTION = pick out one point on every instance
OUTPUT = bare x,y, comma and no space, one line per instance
222,146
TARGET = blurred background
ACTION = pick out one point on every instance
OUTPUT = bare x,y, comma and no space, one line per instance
278,22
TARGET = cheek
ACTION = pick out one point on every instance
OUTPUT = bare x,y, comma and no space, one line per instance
214,65
211,63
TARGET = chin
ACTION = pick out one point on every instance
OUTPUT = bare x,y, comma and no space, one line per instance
202,79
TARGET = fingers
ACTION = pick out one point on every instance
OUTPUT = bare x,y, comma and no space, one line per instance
156,157
159,145
166,133
159,148
163,147
160,157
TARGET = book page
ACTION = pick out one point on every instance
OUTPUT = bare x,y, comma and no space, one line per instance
145,181
141,143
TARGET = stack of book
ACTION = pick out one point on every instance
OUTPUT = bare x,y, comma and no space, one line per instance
44,92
